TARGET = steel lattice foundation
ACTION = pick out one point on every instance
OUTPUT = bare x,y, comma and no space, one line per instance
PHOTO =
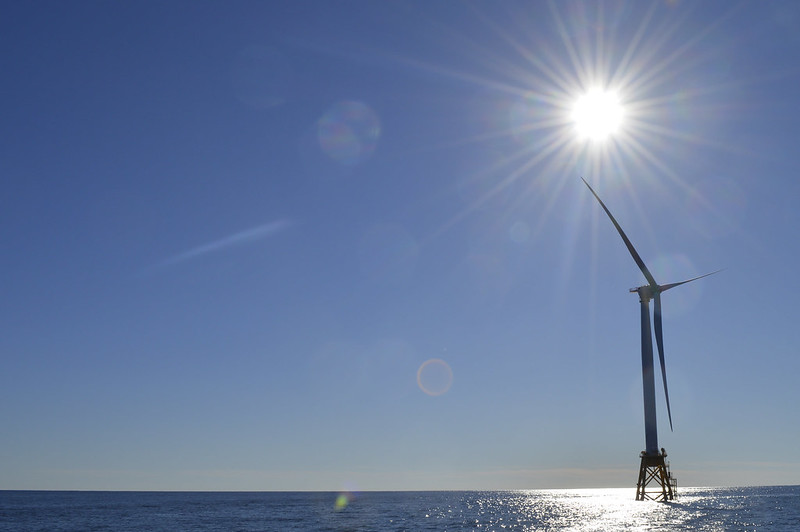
656,482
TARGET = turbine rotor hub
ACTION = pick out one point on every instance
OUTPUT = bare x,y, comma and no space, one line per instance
646,292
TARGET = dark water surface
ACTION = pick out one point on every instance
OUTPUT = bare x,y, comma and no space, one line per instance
753,508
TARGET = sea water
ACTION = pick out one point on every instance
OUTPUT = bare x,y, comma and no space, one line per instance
774,508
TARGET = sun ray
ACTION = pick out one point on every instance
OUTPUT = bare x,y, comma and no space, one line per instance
642,128
528,54
633,47
573,54
637,149
555,143
657,73
550,204
599,47
641,65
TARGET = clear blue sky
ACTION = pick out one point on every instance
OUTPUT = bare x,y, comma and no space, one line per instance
234,232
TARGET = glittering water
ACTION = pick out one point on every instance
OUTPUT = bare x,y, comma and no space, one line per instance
762,508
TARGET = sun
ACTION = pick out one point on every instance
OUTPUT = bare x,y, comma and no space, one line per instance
597,115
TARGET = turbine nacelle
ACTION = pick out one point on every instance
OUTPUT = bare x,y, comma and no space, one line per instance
646,292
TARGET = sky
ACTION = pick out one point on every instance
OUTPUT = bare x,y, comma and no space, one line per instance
346,245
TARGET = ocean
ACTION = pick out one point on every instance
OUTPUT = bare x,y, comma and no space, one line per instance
773,508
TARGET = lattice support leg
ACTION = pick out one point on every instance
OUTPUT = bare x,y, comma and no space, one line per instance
655,483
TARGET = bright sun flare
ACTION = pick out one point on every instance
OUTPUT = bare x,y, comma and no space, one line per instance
597,114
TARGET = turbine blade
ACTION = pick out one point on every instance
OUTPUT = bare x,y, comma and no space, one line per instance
660,343
673,285
634,254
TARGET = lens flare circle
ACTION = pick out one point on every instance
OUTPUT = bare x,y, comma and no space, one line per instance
434,377
597,114
349,132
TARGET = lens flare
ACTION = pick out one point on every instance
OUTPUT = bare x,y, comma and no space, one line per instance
434,377
348,133
341,502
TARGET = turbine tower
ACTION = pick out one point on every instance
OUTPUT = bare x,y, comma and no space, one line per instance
653,467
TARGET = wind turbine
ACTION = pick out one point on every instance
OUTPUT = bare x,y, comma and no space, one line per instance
652,467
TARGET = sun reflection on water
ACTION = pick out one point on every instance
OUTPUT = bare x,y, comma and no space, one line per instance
583,510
